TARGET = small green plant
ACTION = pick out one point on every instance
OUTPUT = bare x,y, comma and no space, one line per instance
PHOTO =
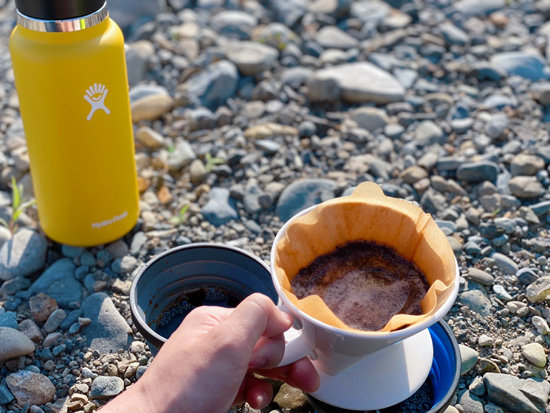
17,206
211,162
180,218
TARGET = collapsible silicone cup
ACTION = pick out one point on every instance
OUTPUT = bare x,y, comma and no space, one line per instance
169,275
444,373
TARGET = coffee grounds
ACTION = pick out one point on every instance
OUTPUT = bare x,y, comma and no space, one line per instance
365,284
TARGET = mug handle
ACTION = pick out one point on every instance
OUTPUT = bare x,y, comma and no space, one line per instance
296,347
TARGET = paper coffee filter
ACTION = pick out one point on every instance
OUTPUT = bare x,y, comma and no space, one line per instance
367,215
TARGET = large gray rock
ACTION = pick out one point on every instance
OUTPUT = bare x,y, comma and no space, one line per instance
59,283
108,331
363,82
31,388
22,255
303,194
14,343
504,390
213,86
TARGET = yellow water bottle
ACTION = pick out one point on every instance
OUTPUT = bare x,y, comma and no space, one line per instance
70,76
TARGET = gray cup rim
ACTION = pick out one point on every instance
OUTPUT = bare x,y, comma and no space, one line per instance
141,324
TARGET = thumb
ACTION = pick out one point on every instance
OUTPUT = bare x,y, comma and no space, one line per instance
256,316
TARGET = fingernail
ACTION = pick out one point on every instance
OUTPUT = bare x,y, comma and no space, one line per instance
288,317
257,363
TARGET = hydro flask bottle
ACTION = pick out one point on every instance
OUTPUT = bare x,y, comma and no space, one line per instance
70,75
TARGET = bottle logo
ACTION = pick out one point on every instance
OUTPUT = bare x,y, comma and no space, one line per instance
95,96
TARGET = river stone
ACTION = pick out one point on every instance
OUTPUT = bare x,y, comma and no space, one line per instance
126,13
303,194
290,398
428,132
524,164
539,290
503,389
41,306
529,65
331,37
250,57
108,331
30,388
181,156
477,302
151,107
480,276
105,387
8,319
149,137
234,23
220,208
22,255
469,358
59,283
288,12
477,171
6,395
213,86
505,264
371,119
14,343
479,8
413,174
138,60
525,187
270,130
54,320
537,391
453,35
470,402
535,354
363,82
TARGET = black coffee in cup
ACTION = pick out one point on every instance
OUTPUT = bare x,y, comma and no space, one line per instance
213,295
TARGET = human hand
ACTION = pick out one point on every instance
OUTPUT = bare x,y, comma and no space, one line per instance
207,365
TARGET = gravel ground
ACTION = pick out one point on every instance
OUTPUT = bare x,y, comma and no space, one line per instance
246,112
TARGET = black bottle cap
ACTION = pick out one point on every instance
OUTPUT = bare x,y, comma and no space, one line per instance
58,9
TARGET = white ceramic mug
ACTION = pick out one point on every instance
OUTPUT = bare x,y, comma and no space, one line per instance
333,348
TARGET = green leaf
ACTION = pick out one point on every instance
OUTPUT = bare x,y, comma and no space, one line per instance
27,204
16,214
16,194
183,210
4,223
